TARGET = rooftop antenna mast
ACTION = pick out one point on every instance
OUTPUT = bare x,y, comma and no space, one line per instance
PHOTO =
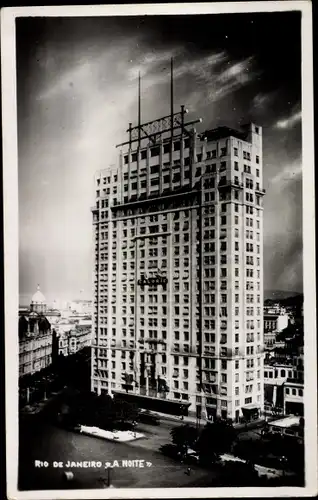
171,98
139,110
156,128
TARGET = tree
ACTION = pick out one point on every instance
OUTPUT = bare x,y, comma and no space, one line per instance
215,438
184,437
238,474
250,449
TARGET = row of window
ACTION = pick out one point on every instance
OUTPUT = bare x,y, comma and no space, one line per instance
154,169
294,392
107,180
207,235
208,285
208,273
167,148
208,221
279,373
201,170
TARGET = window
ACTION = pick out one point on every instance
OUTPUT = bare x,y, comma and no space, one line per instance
223,220
235,152
154,151
154,169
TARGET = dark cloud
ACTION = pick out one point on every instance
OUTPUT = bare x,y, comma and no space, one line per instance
77,90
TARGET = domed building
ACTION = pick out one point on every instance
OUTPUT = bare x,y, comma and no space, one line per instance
36,338
38,302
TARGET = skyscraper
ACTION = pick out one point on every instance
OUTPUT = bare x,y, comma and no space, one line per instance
178,298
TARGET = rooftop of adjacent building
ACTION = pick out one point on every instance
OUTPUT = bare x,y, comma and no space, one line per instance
76,330
82,301
274,314
224,132
289,421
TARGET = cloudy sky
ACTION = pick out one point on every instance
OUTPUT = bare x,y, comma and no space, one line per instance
77,92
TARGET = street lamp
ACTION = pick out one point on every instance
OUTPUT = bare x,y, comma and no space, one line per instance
109,476
283,460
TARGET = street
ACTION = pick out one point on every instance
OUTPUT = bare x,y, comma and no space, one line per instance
45,442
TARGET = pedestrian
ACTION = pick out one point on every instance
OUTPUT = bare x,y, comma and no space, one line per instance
188,471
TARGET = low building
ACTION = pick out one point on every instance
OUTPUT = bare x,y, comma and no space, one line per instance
283,384
288,426
294,398
35,337
75,339
80,337
269,340
64,325
274,322
81,306
53,315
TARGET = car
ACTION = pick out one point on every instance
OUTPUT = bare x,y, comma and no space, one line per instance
146,417
192,458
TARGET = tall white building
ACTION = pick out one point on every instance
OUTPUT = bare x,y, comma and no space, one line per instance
178,297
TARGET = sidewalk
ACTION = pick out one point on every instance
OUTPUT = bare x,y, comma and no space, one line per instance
178,418
202,421
38,406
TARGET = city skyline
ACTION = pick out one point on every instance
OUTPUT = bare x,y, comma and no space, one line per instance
77,93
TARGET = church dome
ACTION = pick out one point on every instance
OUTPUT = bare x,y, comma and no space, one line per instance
38,297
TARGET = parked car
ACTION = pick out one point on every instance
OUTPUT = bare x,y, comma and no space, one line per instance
192,458
147,417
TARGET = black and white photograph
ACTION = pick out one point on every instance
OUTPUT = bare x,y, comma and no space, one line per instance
159,250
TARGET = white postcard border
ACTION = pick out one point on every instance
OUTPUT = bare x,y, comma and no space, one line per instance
11,238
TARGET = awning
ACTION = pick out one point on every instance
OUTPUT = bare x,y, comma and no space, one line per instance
250,408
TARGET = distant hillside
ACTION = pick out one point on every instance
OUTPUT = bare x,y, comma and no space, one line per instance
280,294
284,298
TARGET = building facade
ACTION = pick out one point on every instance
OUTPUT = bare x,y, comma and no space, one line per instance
274,322
75,339
178,284
35,337
284,385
